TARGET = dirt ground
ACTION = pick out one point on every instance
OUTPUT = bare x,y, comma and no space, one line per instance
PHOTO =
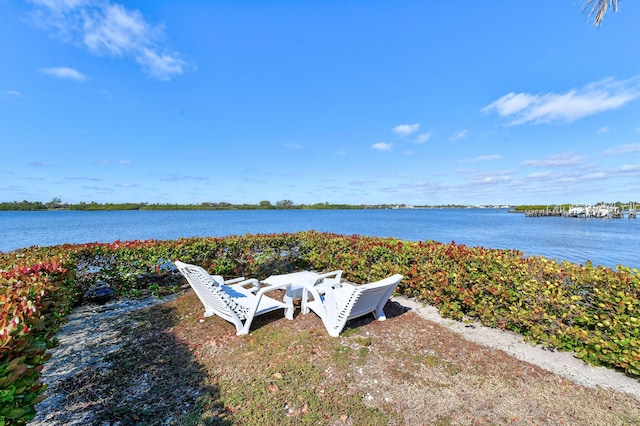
166,364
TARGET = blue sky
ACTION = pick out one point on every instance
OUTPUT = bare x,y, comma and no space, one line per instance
358,102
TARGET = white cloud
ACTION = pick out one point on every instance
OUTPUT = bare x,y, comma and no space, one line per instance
602,130
482,158
403,130
83,178
629,168
107,29
109,162
360,182
64,72
464,171
61,5
595,97
381,146
595,176
115,30
15,93
560,160
181,178
422,138
540,176
483,180
160,66
459,135
623,149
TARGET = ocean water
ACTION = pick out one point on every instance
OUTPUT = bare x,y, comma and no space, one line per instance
607,242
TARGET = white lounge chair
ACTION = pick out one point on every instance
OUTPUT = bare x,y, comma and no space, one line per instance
338,305
234,303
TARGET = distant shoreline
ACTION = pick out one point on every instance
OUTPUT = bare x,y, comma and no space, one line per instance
57,205
263,205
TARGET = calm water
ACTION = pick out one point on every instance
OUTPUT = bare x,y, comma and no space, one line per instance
603,241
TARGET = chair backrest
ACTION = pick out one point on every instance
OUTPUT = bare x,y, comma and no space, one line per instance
363,299
211,293
373,294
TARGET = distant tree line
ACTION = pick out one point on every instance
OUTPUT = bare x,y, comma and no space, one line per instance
57,204
23,206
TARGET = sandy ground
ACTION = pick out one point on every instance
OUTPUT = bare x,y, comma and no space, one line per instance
89,335
561,363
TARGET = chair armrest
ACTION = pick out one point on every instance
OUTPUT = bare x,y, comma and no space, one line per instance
315,293
337,273
334,276
255,284
235,280
269,288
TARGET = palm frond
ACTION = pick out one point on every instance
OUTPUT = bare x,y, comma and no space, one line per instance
598,8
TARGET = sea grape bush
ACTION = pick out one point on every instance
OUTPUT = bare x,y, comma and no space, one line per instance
592,311
32,305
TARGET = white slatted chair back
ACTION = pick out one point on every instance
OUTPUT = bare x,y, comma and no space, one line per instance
347,302
234,303
209,289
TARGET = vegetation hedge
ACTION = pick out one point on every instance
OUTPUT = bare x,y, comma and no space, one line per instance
33,301
593,311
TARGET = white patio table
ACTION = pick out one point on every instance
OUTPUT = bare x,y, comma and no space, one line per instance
294,291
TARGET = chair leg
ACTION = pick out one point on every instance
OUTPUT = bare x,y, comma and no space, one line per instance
288,311
244,330
334,329
379,313
303,302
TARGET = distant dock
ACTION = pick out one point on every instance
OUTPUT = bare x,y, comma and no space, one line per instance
599,211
